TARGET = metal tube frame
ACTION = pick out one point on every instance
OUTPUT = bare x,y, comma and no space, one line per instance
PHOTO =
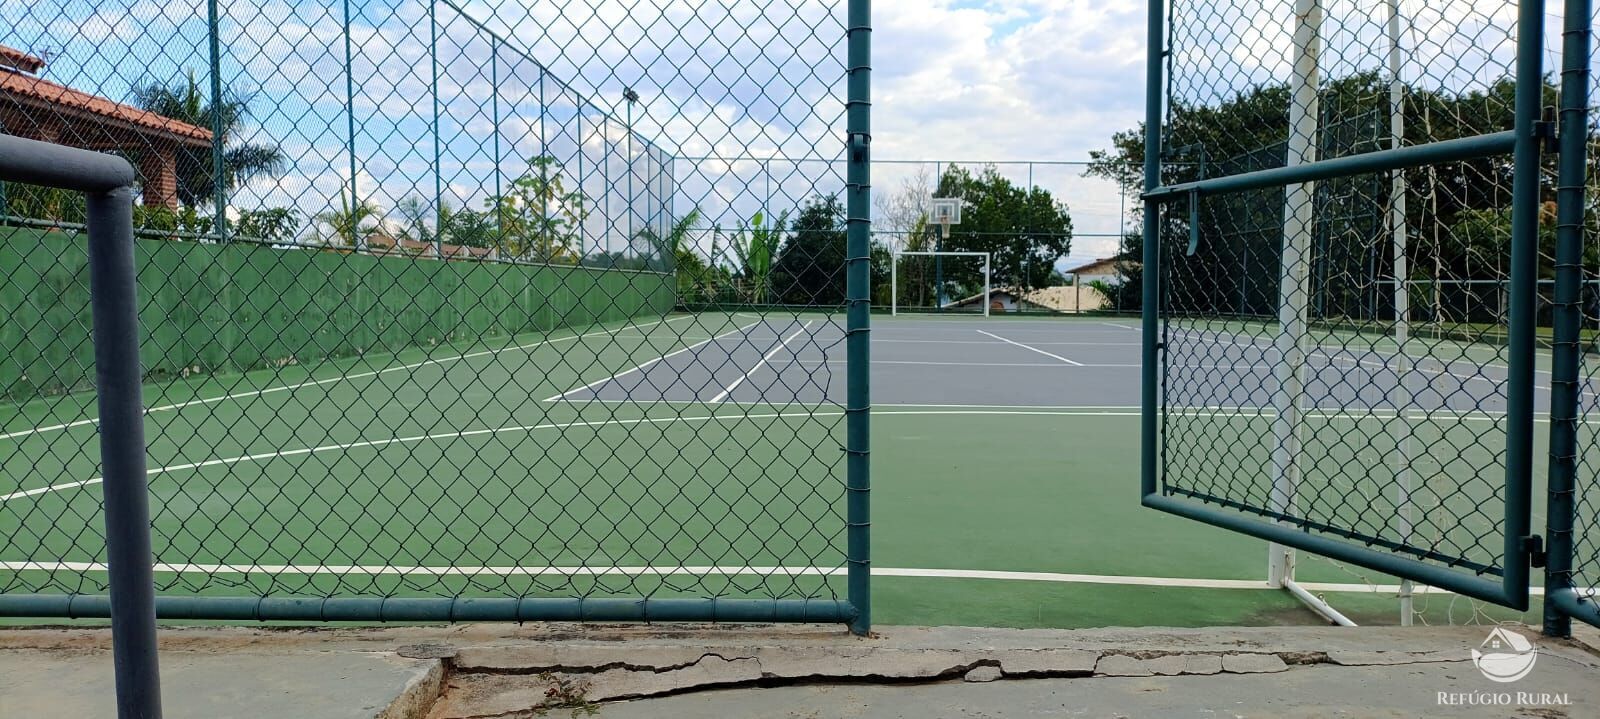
1562,599
107,183
1523,142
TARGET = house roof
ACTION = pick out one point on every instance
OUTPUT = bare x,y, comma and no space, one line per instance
1105,263
1060,299
12,57
41,94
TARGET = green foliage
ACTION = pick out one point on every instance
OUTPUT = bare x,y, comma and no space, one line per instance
756,246
346,225
183,101
540,219
183,222
1025,230
275,224
43,203
811,263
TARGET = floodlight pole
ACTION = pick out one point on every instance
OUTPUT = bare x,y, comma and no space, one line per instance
1304,111
1402,305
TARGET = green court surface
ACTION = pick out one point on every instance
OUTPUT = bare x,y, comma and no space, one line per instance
689,455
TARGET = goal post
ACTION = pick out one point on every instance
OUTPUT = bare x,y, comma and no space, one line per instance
983,259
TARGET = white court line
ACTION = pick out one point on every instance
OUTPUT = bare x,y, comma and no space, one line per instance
647,363
997,411
764,359
340,378
278,454
1125,327
1034,349
713,570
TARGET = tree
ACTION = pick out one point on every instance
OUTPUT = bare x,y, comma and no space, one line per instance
1454,216
539,219
811,264
348,225
467,227
274,224
756,246
1025,230
241,162
414,215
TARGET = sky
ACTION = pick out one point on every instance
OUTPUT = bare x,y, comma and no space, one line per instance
740,104
1012,80
758,89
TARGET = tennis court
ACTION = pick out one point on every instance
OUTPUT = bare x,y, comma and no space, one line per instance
699,454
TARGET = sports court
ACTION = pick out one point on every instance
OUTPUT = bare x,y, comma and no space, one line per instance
698,453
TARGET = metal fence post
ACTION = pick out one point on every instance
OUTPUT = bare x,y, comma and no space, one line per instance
858,207
1568,314
1520,316
122,453
219,181
1149,271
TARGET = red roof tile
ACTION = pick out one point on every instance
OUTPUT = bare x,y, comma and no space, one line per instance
62,97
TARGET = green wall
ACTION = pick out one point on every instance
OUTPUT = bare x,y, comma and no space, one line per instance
229,308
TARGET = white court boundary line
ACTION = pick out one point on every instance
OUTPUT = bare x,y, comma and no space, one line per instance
782,343
1034,349
768,571
647,363
20,494
340,378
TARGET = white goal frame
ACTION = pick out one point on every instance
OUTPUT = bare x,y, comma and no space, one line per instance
894,276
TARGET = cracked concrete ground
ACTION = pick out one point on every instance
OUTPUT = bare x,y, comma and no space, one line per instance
665,671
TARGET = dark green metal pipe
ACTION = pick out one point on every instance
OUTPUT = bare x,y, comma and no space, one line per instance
1520,316
1150,271
410,609
858,291
1465,148
438,172
1572,604
1560,509
219,187
350,124
1341,550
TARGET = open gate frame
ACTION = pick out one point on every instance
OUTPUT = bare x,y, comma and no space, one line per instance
1339,406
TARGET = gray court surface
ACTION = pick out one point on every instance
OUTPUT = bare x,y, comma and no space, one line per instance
1054,362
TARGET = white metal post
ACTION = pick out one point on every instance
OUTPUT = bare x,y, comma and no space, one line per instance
1402,305
894,282
986,284
1304,111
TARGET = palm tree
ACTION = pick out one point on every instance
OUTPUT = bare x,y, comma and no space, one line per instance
183,101
347,225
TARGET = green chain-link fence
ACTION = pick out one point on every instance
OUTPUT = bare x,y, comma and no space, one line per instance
1370,284
423,329
1344,222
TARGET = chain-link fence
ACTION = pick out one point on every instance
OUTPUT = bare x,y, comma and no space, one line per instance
1345,232
1572,581
424,328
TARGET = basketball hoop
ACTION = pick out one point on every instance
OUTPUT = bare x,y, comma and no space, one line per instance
946,211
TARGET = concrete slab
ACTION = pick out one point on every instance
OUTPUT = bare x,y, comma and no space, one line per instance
450,672
224,684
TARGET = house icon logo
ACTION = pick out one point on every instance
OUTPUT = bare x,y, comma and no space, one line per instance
1505,656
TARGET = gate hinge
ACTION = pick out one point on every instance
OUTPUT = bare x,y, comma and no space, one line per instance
1533,545
1546,129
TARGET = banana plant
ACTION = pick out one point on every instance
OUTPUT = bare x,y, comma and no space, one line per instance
757,247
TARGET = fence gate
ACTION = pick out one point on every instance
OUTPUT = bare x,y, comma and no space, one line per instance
1342,244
